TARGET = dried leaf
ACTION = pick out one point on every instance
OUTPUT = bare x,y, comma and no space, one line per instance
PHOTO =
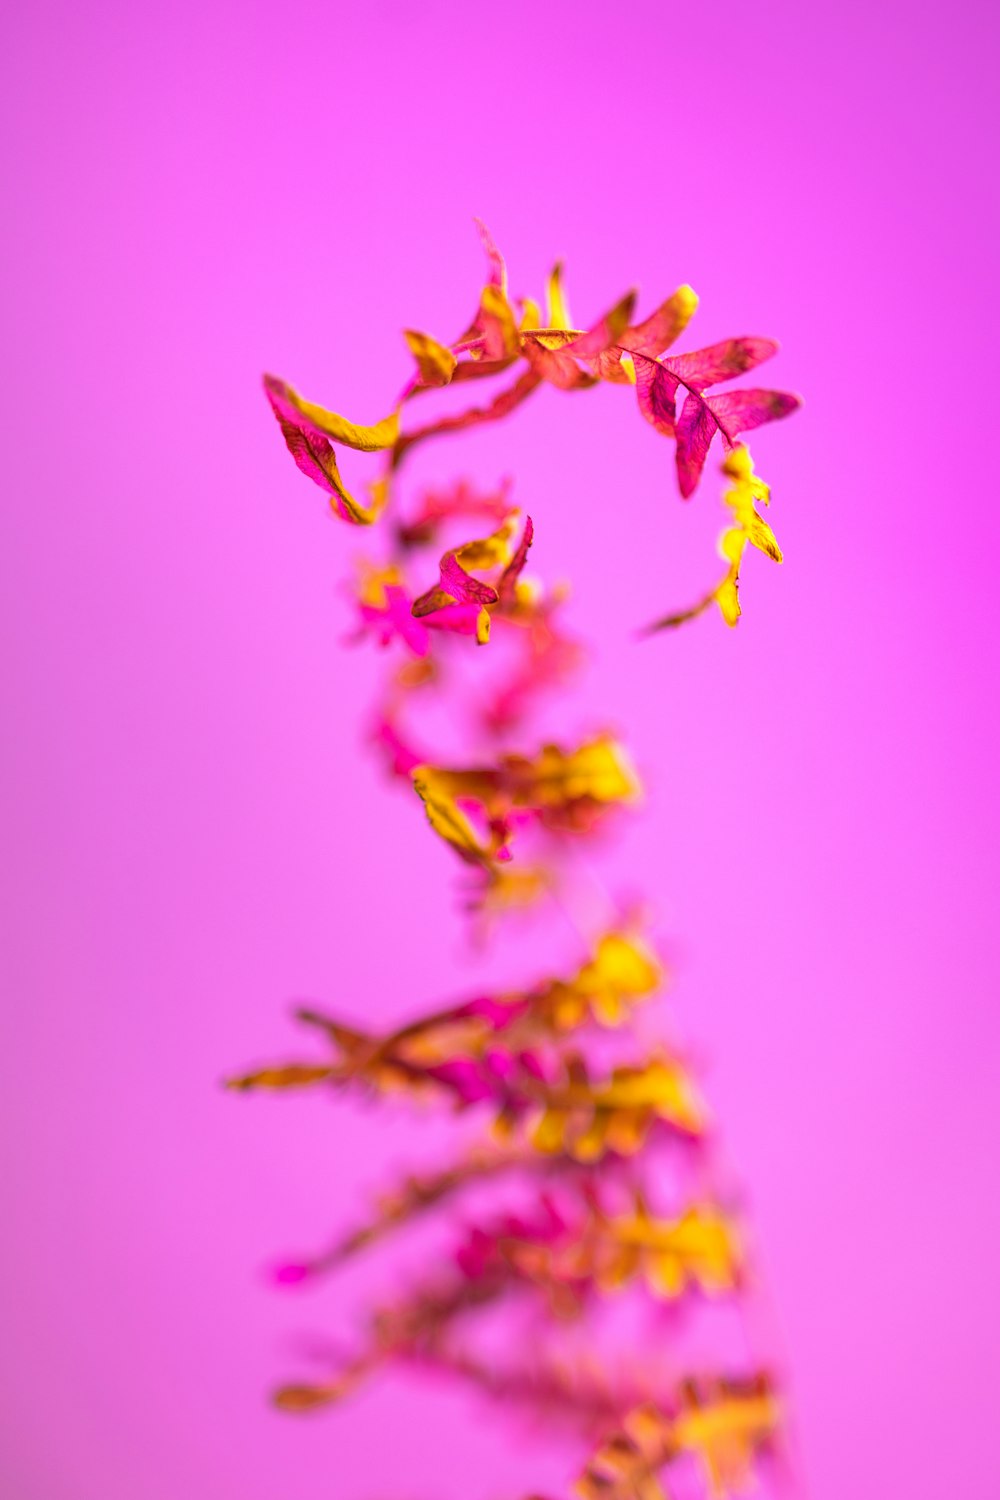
663,327
501,406
435,363
316,457
704,367
461,602
656,392
725,1424
695,430
556,305
563,789
741,411
291,407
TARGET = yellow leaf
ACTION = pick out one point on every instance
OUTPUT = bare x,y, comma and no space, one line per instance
589,1144
555,784
556,305
291,1076
437,791
531,315
435,363
549,1131
489,551
600,770
742,498
622,966
304,1397
512,887
339,429
727,596
374,582
760,535
726,1431
663,1086
554,338
434,599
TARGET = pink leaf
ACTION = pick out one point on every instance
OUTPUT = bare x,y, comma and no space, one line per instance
695,431
312,453
315,455
462,587
705,367
741,411
656,390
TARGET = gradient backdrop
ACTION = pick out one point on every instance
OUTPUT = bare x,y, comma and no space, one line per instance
192,835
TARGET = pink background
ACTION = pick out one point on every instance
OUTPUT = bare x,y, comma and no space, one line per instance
192,834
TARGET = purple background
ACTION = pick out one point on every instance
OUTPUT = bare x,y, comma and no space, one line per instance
192,833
